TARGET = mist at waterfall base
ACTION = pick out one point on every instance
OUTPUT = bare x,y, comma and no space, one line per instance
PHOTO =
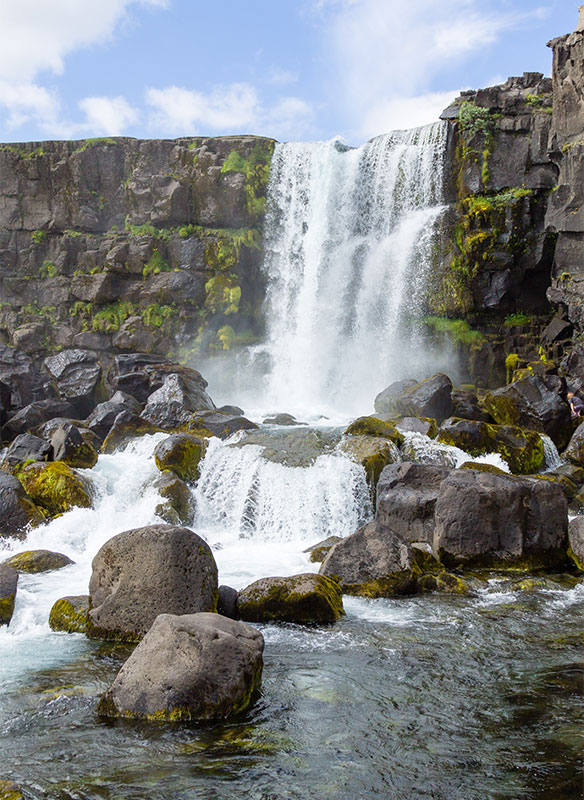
449,698
350,238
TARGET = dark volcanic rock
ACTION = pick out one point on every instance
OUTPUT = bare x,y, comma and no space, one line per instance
56,487
574,452
27,447
227,604
406,499
17,510
219,424
179,505
8,586
77,373
535,403
103,416
127,426
190,667
576,539
373,562
317,552
19,374
34,415
70,447
495,520
429,398
306,599
138,574
172,406
386,401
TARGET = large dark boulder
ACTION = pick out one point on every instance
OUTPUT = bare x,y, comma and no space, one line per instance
372,562
77,374
18,372
71,448
522,450
386,401
141,374
307,599
372,452
406,499
431,397
103,416
27,447
181,453
8,586
34,415
5,402
127,426
17,511
189,667
465,405
488,520
140,573
535,403
574,452
172,405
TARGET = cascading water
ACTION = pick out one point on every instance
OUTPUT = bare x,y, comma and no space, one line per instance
349,236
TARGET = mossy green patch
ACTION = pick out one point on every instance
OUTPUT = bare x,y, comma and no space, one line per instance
55,486
181,454
69,614
256,169
373,426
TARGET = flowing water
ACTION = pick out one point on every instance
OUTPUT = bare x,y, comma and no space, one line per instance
449,698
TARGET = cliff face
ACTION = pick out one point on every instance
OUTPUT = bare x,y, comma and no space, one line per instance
565,213
128,244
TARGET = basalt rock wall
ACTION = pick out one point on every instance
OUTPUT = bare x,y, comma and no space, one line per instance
122,244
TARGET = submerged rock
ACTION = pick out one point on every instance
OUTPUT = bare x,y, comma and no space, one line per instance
56,487
69,614
282,419
140,573
189,667
306,599
17,510
34,561
8,586
181,453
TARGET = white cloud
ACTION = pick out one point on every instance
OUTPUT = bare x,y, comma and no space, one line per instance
386,53
37,36
282,77
395,113
235,108
108,115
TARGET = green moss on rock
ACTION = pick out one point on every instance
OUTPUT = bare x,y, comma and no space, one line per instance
306,599
56,487
36,561
373,426
180,453
69,614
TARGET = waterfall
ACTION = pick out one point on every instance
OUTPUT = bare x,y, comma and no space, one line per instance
349,236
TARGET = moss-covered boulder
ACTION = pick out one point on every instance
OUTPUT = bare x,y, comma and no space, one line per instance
306,599
443,583
535,403
71,448
18,512
179,505
8,586
35,561
372,452
373,426
522,450
69,614
319,550
180,453
56,487
10,791
190,667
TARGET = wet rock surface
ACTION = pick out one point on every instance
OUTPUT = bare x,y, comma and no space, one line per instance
307,599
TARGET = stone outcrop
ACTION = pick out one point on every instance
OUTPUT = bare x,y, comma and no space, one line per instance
307,599
132,245
8,586
138,574
18,512
190,667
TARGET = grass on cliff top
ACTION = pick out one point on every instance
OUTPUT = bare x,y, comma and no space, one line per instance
457,329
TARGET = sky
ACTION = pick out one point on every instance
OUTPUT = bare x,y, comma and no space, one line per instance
290,69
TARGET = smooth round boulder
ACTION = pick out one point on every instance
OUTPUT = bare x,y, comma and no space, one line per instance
17,510
35,561
8,585
189,667
144,572
372,426
181,453
306,599
56,487
69,614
